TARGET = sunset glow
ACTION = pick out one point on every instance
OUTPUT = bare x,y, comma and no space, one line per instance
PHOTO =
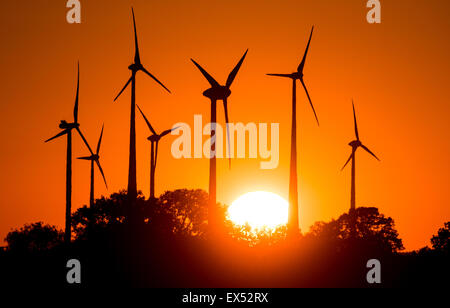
348,58
259,209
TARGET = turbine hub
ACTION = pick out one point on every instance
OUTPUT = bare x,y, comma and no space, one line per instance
297,75
217,93
135,67
65,125
153,138
355,144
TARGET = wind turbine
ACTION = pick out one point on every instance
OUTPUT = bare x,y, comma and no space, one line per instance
293,227
154,139
355,144
134,68
67,130
215,93
95,158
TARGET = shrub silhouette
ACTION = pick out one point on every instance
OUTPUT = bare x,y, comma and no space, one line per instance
371,228
32,238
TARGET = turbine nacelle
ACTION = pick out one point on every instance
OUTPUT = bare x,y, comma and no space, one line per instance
297,75
135,67
154,138
217,93
65,125
355,144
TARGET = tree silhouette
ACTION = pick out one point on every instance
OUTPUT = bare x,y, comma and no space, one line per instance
106,213
35,237
173,232
441,241
187,211
181,212
371,227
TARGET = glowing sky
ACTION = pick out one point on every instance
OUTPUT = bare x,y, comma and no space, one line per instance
397,72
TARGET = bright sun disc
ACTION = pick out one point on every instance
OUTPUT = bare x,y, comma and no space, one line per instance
259,209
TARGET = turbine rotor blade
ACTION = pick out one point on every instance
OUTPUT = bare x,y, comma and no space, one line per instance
75,110
58,135
349,159
156,154
356,124
210,79
310,102
123,89
302,64
369,151
234,72
166,132
137,58
225,106
146,121
281,75
154,78
101,171
85,158
100,140
85,141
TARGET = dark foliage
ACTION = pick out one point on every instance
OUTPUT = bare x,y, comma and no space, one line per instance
105,214
33,238
165,243
186,209
371,229
441,241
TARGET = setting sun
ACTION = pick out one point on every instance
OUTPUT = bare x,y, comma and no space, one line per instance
259,209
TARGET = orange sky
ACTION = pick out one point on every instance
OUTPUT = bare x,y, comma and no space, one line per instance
397,72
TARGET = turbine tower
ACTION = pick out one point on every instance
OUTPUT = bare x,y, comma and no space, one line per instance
67,130
134,68
95,158
355,144
293,227
154,139
216,93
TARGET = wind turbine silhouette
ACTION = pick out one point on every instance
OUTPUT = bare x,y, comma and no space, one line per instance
355,144
134,68
293,227
95,158
215,93
154,139
67,130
